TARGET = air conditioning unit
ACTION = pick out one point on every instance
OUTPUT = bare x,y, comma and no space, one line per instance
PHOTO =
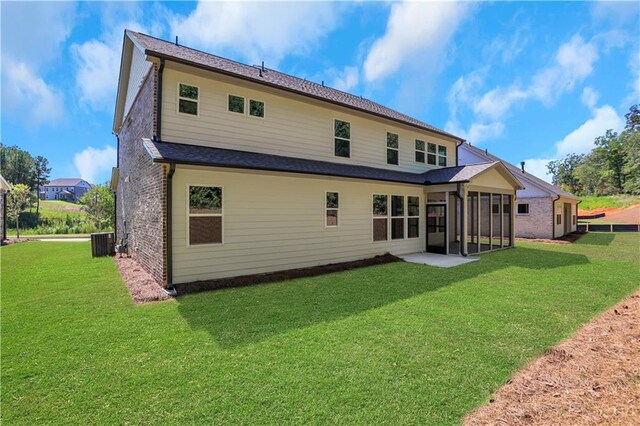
102,244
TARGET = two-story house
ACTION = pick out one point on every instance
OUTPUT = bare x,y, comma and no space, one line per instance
66,189
226,169
542,210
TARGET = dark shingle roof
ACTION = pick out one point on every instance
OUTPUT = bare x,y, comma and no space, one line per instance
65,182
155,47
516,171
169,152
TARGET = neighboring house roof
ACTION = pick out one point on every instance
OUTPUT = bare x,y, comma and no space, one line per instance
4,184
163,49
534,180
66,182
169,152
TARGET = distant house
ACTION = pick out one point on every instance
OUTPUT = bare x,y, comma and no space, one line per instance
542,209
4,189
67,189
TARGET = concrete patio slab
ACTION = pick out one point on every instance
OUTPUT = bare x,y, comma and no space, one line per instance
440,260
64,240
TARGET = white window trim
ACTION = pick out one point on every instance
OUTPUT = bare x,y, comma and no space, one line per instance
394,149
413,217
244,102
326,209
373,217
264,108
189,215
424,151
403,217
179,98
334,137
523,204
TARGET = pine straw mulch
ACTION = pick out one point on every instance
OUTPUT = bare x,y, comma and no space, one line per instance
565,239
141,285
593,378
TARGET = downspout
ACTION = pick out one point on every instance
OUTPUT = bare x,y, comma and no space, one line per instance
169,288
158,134
463,224
553,218
577,215
115,193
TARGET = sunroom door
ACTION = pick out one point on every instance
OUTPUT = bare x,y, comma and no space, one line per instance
437,228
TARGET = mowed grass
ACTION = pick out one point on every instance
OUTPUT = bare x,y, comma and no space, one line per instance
397,343
614,201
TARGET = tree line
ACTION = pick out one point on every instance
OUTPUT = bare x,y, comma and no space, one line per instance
27,174
612,166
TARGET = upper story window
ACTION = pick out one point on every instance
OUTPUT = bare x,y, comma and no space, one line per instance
442,156
332,207
392,148
419,151
342,139
431,153
188,99
523,209
256,108
235,104
205,215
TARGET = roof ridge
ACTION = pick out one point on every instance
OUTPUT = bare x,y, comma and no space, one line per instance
281,80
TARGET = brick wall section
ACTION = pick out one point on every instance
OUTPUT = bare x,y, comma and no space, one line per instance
537,224
141,195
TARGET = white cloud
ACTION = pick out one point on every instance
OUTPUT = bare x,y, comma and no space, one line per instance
538,167
589,97
580,141
497,102
347,79
26,50
618,12
477,132
256,30
417,33
98,66
573,63
32,33
24,93
92,162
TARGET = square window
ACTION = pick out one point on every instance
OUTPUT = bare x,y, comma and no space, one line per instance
392,156
419,145
342,129
431,147
342,148
419,157
523,209
431,159
236,104
256,108
392,140
205,215
442,161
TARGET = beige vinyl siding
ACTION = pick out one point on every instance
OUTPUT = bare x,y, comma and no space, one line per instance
293,125
276,222
139,69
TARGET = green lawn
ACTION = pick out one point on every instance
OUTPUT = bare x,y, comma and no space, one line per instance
616,201
396,343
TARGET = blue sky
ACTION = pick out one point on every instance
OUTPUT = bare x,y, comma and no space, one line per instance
528,81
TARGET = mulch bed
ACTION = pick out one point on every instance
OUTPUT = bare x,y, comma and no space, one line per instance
142,287
565,239
593,378
247,280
